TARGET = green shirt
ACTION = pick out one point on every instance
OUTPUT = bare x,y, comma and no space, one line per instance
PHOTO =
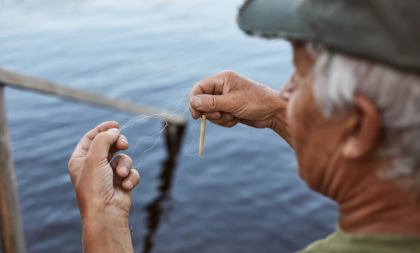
341,242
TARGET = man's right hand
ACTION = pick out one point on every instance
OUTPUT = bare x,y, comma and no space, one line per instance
229,98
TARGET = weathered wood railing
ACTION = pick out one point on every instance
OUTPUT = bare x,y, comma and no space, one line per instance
12,238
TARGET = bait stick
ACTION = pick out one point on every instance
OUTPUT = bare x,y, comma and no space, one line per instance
203,129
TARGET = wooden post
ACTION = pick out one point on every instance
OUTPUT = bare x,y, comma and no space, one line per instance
12,238
20,81
174,134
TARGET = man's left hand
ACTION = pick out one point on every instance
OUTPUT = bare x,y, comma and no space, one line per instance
103,187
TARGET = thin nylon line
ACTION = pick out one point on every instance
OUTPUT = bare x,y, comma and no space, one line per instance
175,111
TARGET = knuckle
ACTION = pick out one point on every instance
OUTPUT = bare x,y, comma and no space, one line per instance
196,88
126,158
119,157
217,115
229,73
87,136
212,102
123,158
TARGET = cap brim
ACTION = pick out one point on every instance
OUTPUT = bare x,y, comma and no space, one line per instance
273,19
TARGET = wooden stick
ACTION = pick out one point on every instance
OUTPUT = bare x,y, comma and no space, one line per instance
29,83
203,129
11,232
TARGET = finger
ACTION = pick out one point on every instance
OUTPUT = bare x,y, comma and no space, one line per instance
256,124
209,85
132,180
213,115
225,118
211,103
122,165
99,149
231,123
121,144
194,113
82,148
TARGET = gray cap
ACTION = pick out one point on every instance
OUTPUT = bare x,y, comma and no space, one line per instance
387,31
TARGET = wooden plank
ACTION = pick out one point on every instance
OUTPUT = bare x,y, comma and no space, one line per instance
12,237
29,83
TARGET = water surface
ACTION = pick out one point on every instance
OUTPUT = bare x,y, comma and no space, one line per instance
242,195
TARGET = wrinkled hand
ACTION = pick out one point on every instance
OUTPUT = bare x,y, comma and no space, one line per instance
103,187
228,98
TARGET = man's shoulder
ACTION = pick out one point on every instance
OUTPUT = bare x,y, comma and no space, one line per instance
324,246
341,242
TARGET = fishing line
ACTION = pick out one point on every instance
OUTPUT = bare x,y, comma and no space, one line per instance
159,134
193,137
137,119
180,106
134,207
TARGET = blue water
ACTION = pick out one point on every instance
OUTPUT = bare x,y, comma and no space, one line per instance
242,195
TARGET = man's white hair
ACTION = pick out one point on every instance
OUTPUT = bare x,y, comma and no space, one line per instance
395,93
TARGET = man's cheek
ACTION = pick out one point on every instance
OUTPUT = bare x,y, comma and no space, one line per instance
296,116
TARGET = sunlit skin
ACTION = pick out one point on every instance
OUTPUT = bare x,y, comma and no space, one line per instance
335,156
103,189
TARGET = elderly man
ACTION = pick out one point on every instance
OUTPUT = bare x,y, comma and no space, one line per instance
351,112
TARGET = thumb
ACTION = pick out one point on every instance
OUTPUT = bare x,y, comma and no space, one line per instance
99,149
210,103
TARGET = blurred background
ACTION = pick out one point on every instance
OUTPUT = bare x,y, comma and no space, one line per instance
243,194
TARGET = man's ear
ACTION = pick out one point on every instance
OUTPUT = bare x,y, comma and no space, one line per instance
365,130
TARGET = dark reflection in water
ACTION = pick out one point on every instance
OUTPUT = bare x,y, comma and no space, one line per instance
156,208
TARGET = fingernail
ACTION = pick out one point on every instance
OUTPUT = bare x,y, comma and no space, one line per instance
229,117
115,130
124,140
196,101
123,170
128,184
